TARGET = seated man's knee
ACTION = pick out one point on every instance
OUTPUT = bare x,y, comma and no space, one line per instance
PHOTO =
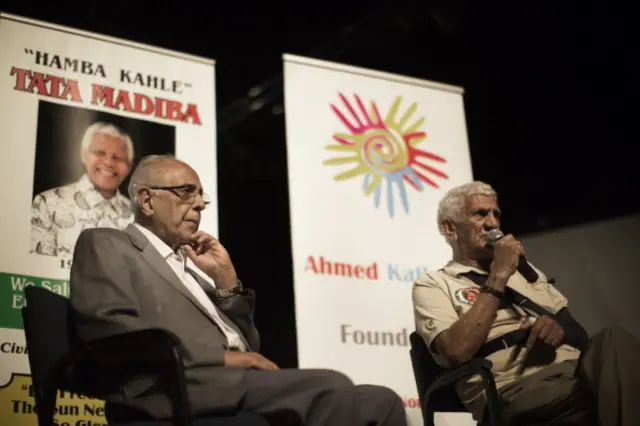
612,334
330,379
378,394
614,339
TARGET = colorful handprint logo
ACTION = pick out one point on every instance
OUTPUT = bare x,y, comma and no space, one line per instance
383,152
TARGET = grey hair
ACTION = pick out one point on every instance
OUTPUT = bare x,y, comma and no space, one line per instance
453,202
105,129
146,172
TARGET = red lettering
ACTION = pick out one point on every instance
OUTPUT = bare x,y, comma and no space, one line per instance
123,102
173,110
139,103
21,78
47,85
409,402
311,265
102,95
323,266
143,105
192,113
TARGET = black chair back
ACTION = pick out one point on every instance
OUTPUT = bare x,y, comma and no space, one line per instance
49,332
426,370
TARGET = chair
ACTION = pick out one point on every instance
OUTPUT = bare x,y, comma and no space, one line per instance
436,386
58,361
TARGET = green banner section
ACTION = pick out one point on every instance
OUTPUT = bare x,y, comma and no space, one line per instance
12,295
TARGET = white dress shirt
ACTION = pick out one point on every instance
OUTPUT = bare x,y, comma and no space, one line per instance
180,264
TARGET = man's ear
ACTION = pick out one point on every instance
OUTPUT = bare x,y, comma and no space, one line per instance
145,201
448,229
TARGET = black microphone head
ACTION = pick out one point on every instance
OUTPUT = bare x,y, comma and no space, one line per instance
493,236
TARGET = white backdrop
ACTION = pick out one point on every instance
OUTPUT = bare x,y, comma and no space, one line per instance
369,156
54,82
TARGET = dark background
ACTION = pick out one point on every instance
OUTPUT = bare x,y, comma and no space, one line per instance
59,136
548,103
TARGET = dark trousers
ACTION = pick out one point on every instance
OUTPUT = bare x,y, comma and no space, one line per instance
599,389
320,398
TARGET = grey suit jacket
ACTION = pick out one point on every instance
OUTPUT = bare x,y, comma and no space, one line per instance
121,283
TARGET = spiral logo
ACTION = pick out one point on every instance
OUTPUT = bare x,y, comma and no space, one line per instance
383,152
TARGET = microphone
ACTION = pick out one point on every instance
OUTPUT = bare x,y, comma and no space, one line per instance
523,266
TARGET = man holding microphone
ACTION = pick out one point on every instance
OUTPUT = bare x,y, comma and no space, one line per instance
489,302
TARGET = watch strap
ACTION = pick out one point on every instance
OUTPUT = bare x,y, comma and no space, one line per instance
492,291
228,292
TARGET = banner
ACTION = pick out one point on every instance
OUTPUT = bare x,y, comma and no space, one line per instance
370,155
79,111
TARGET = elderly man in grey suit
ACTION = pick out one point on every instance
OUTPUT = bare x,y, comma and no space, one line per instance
163,272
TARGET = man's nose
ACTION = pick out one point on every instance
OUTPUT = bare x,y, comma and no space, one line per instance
491,222
198,203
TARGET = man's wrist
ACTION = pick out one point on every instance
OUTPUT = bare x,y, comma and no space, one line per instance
224,279
498,280
232,291
497,293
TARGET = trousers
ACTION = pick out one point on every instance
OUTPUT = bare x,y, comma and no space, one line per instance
599,389
316,397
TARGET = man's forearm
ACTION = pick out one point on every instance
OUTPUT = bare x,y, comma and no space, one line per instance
464,338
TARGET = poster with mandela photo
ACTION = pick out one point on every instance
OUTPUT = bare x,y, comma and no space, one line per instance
83,162
79,111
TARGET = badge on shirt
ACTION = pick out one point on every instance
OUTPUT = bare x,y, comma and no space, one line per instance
430,324
467,295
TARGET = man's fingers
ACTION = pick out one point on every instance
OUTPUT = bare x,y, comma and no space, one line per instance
265,364
544,329
268,365
206,238
551,334
196,235
556,341
546,332
558,336
200,237
189,250
526,323
534,333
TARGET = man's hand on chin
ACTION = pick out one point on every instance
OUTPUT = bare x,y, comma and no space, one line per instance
212,258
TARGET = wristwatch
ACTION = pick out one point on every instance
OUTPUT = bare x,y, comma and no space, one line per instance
228,292
492,291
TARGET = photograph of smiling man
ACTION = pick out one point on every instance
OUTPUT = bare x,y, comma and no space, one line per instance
82,166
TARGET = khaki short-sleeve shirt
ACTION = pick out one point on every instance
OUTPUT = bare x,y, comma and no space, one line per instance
441,298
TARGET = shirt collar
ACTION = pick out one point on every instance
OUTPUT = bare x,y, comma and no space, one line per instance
162,247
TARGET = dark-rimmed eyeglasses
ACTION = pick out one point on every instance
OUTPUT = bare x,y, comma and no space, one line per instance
187,192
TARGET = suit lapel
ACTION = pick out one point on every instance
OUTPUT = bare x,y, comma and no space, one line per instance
162,268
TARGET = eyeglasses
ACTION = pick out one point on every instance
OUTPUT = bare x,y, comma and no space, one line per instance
186,192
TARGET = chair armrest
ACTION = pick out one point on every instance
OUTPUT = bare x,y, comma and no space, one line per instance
150,351
479,366
461,371
126,349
